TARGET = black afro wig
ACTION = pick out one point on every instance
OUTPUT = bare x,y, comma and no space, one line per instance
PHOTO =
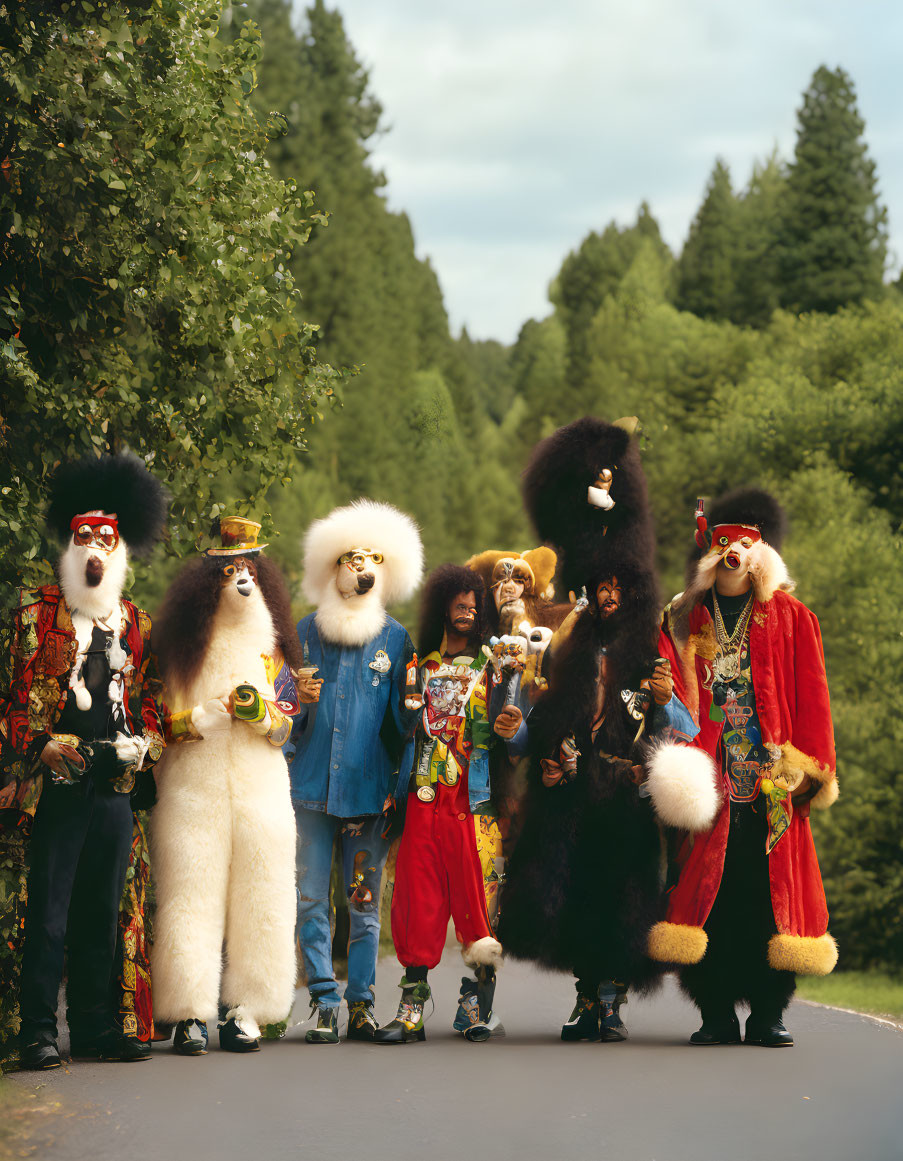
444,583
744,506
119,483
561,469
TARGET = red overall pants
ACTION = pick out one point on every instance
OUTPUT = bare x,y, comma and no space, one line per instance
438,876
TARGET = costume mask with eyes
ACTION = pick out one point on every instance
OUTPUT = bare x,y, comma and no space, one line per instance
736,548
357,560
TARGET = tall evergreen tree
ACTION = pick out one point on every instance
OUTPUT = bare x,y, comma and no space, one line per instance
756,280
833,244
587,277
706,270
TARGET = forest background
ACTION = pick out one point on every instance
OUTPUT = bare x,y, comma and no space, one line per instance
168,284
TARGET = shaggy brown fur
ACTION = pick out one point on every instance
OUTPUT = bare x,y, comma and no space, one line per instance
183,625
582,887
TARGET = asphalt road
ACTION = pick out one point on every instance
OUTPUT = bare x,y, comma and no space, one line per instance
836,1096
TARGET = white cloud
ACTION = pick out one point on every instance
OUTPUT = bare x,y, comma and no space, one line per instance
514,128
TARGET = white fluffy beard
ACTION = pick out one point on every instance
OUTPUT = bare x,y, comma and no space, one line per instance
354,620
99,600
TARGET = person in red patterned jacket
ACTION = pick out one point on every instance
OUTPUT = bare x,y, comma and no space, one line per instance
78,726
748,912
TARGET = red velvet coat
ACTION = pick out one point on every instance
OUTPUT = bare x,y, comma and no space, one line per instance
791,690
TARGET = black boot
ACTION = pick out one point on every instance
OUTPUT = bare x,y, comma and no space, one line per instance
362,1023
583,1023
408,1022
611,1027
766,1032
40,1053
719,1026
327,1028
190,1038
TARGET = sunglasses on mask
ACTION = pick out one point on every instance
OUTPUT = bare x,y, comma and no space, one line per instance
101,531
360,557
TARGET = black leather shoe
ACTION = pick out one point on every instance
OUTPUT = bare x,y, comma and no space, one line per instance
40,1054
718,1030
112,1047
233,1038
190,1038
773,1035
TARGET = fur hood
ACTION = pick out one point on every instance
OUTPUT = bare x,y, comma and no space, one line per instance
364,524
767,572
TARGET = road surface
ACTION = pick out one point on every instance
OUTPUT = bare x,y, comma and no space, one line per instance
836,1096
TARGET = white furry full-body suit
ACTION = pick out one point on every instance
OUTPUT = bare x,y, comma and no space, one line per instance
223,844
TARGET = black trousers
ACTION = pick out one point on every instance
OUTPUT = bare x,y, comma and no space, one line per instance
78,859
735,966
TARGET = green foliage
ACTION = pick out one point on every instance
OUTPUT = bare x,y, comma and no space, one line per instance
146,298
877,992
833,243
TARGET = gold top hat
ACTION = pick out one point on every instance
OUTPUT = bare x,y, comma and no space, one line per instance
238,536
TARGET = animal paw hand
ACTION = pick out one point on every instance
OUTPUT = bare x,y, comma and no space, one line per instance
130,750
213,717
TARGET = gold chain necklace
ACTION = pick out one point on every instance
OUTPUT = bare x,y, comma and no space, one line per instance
726,665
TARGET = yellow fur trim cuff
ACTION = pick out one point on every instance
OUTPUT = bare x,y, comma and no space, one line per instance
827,795
807,955
797,764
677,943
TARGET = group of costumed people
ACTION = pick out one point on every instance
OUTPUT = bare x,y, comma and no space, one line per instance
588,784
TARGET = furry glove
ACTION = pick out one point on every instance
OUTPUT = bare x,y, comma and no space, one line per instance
211,718
130,750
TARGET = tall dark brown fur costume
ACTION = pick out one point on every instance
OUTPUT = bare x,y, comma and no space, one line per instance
582,888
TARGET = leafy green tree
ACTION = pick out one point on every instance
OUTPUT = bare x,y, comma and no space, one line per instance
146,298
833,244
707,267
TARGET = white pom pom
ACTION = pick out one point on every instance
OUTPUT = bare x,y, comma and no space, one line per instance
683,786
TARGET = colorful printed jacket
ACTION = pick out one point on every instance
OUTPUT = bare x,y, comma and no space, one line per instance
463,742
43,648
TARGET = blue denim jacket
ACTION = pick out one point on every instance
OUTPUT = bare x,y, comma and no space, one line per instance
345,749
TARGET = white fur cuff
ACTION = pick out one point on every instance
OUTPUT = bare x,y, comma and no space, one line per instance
682,785
483,951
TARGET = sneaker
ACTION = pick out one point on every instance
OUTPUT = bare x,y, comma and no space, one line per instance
611,1027
327,1029
583,1022
362,1023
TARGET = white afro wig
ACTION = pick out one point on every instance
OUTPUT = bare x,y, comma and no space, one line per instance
364,524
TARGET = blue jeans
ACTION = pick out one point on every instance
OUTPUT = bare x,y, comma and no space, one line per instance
363,855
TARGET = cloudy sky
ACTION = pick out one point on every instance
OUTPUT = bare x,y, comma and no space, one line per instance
513,127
